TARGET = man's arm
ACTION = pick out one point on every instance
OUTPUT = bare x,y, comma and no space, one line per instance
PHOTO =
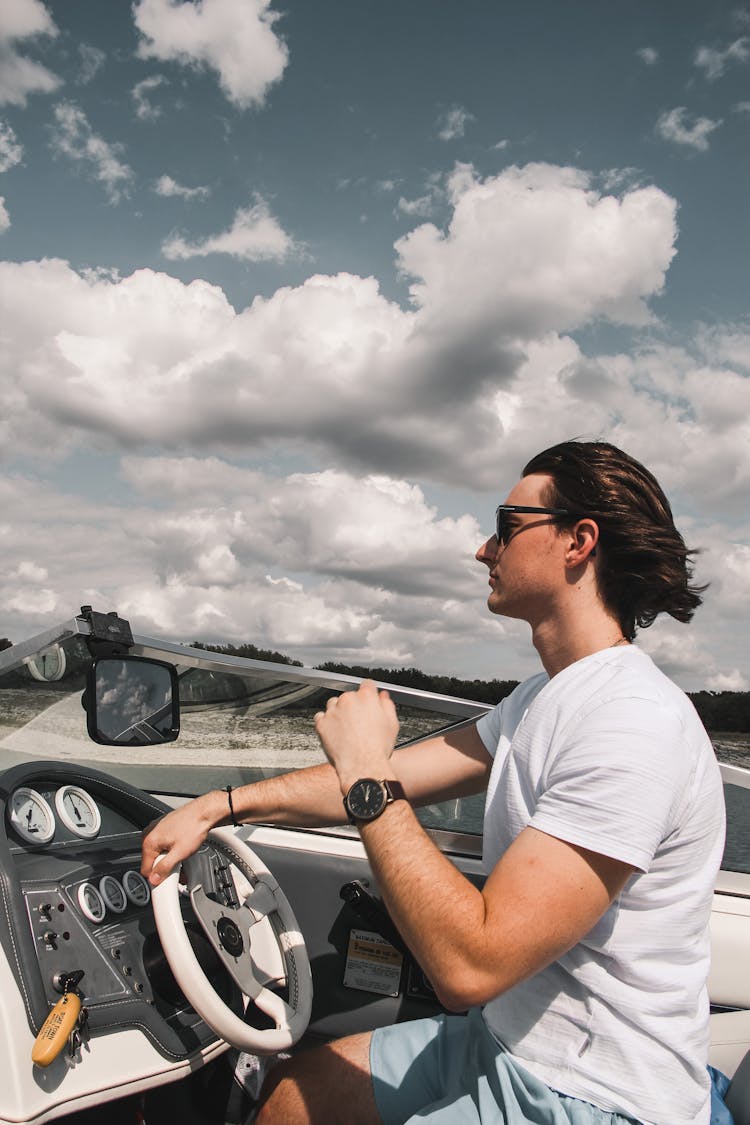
455,764
542,897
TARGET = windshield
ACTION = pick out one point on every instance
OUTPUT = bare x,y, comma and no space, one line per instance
236,726
248,721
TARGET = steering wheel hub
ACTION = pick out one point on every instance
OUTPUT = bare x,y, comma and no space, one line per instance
230,937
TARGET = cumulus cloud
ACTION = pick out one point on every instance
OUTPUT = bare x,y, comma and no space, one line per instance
74,138
234,38
453,122
168,187
4,216
539,249
11,152
211,551
713,61
648,55
527,257
255,235
21,76
674,125
145,110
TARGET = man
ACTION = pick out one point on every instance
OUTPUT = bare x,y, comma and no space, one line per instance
583,959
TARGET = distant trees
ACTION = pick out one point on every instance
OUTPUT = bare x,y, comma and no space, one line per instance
727,711
483,691
250,652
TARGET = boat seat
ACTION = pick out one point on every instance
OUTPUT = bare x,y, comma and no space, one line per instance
737,1097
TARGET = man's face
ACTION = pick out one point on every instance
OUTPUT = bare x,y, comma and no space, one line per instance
527,572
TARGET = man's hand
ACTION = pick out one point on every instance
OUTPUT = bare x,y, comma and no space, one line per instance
179,834
358,731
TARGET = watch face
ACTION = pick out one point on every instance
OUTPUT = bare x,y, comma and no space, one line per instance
366,799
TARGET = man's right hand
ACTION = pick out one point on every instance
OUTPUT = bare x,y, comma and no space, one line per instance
179,834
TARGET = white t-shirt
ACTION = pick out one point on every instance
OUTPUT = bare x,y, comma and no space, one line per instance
611,756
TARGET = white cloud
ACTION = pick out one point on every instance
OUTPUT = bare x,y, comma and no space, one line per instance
235,38
92,60
734,680
422,206
75,138
144,109
674,125
453,122
537,249
168,187
221,557
446,392
4,216
254,235
11,152
20,76
648,55
713,61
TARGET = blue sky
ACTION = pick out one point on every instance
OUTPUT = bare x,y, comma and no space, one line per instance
290,294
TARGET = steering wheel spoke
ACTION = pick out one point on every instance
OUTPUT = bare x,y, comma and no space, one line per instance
259,943
230,932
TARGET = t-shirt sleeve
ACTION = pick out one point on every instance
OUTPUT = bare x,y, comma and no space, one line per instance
617,782
489,727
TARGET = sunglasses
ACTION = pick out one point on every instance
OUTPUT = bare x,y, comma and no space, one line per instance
503,530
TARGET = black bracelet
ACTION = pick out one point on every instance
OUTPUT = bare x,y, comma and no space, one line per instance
235,821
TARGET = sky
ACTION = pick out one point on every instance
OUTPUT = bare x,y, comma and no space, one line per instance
290,293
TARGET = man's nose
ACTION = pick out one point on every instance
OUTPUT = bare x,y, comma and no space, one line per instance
488,551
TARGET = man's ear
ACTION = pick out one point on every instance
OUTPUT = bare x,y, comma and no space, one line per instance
584,537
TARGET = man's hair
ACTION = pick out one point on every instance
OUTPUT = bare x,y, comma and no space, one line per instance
644,566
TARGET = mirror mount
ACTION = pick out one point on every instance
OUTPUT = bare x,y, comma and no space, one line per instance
110,634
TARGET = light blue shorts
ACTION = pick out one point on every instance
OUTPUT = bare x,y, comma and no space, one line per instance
449,1070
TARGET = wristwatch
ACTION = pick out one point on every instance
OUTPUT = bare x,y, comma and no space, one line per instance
367,798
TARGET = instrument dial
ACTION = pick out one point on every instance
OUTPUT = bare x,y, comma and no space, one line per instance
113,894
78,811
136,888
47,665
31,816
91,902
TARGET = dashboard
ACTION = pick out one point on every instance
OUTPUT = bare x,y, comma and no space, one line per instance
75,907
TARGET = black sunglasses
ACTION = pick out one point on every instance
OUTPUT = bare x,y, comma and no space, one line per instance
503,530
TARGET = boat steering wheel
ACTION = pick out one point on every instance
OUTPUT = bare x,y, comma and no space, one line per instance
259,943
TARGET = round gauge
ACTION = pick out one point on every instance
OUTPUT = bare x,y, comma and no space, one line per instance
31,816
49,664
91,902
136,888
113,894
78,811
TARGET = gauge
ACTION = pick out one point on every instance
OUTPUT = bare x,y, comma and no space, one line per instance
136,888
113,894
78,811
31,816
49,664
91,902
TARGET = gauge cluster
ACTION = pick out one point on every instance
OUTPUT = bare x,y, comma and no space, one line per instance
36,822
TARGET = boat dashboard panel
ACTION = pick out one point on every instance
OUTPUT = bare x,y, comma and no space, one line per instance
76,904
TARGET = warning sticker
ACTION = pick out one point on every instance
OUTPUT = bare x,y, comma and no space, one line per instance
372,964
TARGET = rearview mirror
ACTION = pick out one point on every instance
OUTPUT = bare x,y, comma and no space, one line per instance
132,701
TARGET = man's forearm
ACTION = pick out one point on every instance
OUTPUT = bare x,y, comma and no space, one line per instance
307,798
